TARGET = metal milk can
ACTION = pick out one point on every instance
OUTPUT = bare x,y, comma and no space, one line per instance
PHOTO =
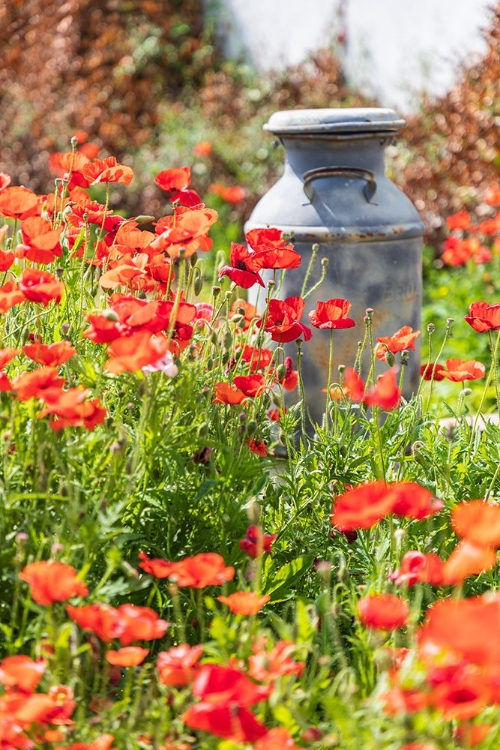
334,192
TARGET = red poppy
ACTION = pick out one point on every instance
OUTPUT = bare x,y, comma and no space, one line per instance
269,237
36,383
6,260
100,618
257,446
227,393
332,314
130,656
431,371
69,165
419,568
251,385
256,543
52,355
7,355
234,723
178,666
107,170
220,685
470,735
52,581
291,379
18,202
462,698
278,738
245,603
268,666
478,522
459,220
71,408
233,194
257,357
354,387
241,271
456,252
139,624
134,352
413,501
10,296
269,256
468,559
186,231
383,611
40,286
385,393
458,370
205,569
172,180
41,243
483,317
104,742
21,672
283,320
403,339
203,148
489,227
362,507
5,180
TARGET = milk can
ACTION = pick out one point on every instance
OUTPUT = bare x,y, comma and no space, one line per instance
334,192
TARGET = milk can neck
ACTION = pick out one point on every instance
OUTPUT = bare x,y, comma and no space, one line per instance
364,152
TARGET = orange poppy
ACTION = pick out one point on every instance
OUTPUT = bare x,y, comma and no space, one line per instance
468,559
177,666
40,286
483,317
251,385
269,256
5,180
36,383
134,352
21,672
52,581
245,602
227,393
6,259
383,611
7,355
205,569
41,243
278,738
104,742
51,355
100,618
72,410
129,656
107,170
188,231
458,370
332,314
18,202
459,220
385,393
353,385
172,180
268,666
257,357
139,624
403,339
478,522
10,296
203,148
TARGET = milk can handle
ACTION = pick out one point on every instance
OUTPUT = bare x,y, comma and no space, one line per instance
314,174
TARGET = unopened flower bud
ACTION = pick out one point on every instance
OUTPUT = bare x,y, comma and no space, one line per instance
216,291
281,372
252,427
390,358
431,328
65,329
227,341
74,141
198,284
324,262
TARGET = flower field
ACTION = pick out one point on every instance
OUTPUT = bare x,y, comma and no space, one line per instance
168,580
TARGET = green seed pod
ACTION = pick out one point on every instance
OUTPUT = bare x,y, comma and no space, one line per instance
252,427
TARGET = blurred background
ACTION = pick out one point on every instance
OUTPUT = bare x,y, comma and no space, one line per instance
164,83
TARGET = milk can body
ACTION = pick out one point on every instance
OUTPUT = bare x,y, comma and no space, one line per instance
334,192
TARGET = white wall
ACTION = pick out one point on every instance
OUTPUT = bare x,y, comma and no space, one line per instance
393,48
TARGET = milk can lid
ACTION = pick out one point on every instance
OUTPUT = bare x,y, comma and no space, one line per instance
340,120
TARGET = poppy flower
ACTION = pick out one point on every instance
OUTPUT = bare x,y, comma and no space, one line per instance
460,220
6,260
291,379
52,581
283,257
468,559
10,296
241,270
7,355
268,666
403,339
268,236
419,568
134,352
21,672
5,180
383,612
483,317
235,723
187,231
455,251
36,383
332,314
431,371
385,393
104,742
478,522
41,243
71,408
172,180
257,446
353,387
51,355
413,501
129,656
362,507
227,393
40,286
257,357
283,320
462,698
139,624
203,148
489,227
204,569
458,370
100,618
249,312
471,735
18,202
220,685
256,543
251,385
107,170
178,666
244,602
232,194
69,165
278,738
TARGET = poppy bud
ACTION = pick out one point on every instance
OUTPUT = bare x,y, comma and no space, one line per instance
216,291
405,356
227,341
193,260
65,329
324,262
110,314
214,338
390,358
252,427
74,141
281,372
198,284
142,219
